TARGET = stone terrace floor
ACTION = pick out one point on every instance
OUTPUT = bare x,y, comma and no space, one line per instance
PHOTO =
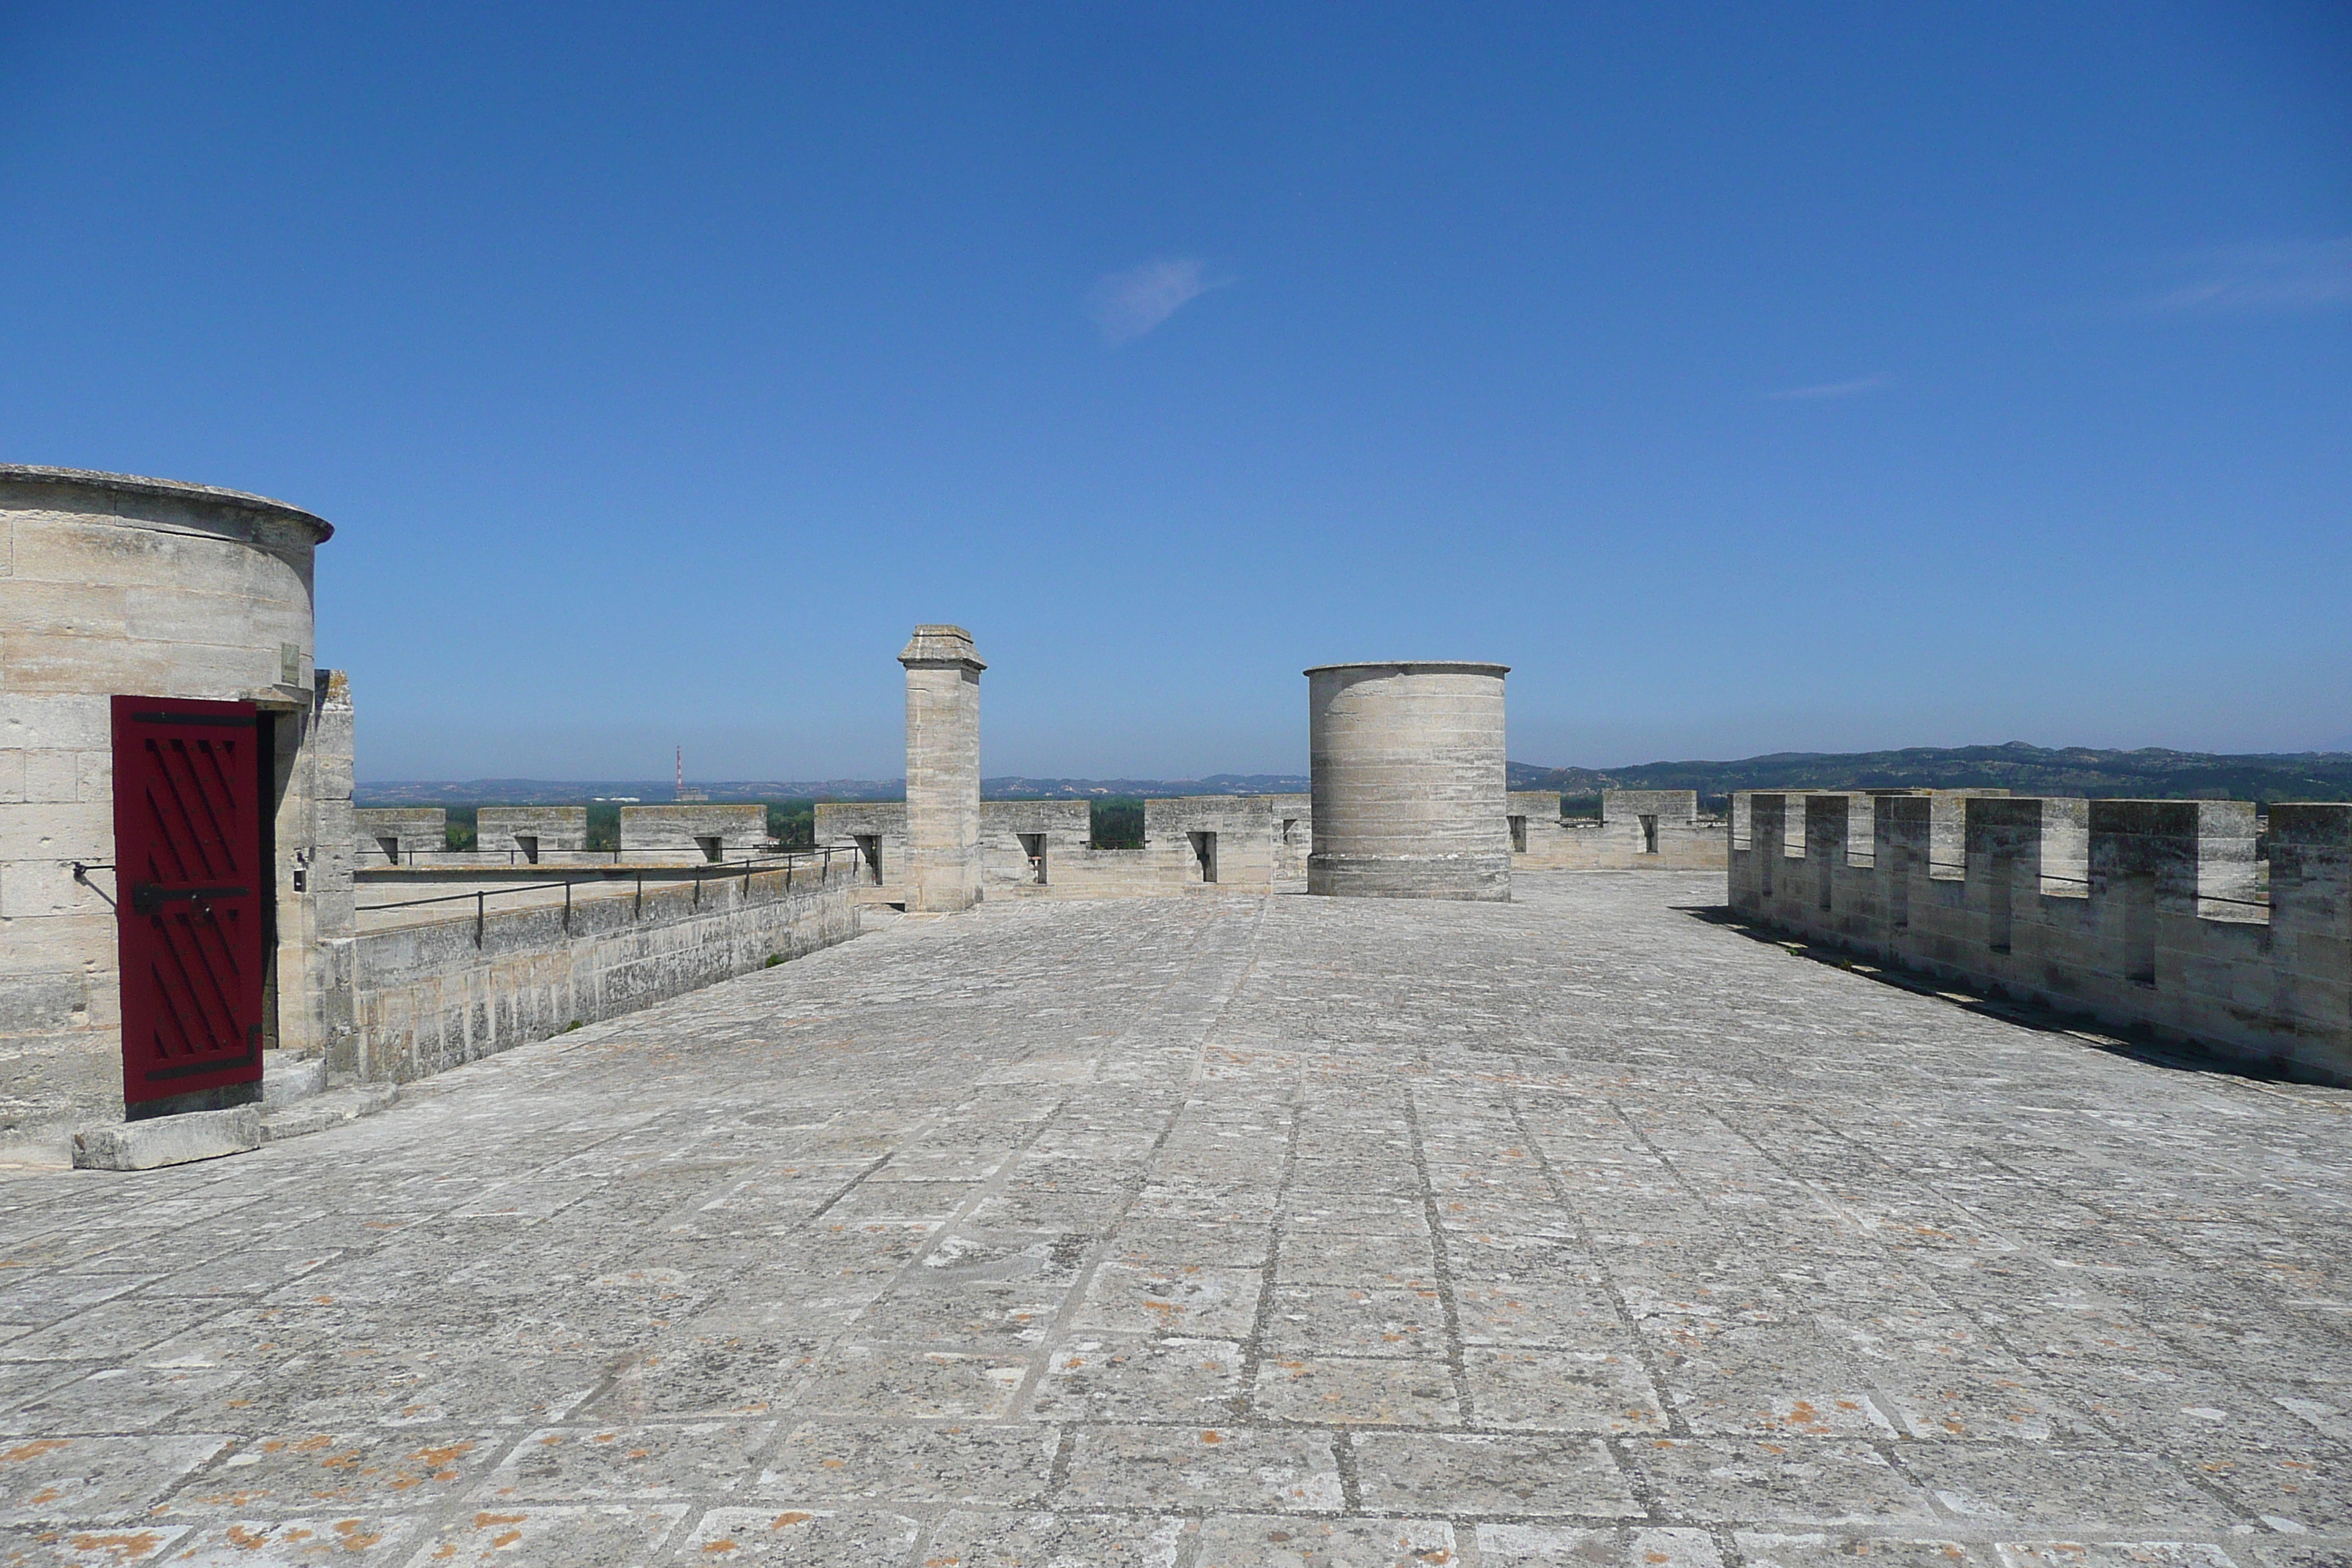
1219,1232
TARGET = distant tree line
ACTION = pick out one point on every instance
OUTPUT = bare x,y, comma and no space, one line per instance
2149,775
1114,822
791,823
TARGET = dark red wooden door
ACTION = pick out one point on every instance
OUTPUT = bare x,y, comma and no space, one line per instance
190,889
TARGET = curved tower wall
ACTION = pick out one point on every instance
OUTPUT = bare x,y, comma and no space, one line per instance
1408,792
112,584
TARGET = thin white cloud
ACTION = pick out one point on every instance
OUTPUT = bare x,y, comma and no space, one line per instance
1831,389
2308,276
1123,306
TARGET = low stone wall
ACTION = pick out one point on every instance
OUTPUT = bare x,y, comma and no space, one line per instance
1016,836
535,832
1254,842
431,996
715,831
1250,841
1639,830
2179,918
392,835
1258,842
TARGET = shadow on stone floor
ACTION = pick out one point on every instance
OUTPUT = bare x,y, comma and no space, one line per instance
2140,1044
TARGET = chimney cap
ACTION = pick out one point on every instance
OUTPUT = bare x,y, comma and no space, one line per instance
933,646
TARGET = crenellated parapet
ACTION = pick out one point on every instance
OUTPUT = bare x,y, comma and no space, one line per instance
1637,830
2189,919
1248,843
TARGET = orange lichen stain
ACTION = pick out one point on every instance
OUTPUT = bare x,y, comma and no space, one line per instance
640,1453
794,1517
721,1544
443,1457
484,1521
1213,1437
1655,1557
1847,1405
448,1550
35,1449
833,1464
128,1548
251,1539
604,1437
505,1538
46,1494
551,1440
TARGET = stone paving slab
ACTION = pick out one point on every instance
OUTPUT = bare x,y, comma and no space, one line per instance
1223,1233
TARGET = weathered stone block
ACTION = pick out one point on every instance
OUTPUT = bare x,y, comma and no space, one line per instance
168,1140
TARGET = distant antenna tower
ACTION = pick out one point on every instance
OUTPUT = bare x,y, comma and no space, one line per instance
682,792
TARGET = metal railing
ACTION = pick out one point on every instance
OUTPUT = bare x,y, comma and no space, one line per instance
409,856
718,870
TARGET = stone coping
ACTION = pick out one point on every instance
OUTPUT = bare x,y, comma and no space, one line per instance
939,645
1410,665
169,490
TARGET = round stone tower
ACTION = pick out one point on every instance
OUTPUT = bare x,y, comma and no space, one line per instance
1408,779
157,670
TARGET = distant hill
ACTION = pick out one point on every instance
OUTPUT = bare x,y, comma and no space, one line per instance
1080,789
557,791
550,792
2152,773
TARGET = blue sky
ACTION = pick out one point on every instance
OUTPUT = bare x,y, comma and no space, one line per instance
1748,378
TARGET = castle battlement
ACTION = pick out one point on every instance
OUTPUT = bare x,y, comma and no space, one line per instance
2199,920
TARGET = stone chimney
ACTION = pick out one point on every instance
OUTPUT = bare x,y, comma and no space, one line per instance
942,770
